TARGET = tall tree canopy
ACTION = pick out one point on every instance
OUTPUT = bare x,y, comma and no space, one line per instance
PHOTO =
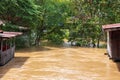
19,12
49,19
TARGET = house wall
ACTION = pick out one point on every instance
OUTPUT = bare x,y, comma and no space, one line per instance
115,44
109,44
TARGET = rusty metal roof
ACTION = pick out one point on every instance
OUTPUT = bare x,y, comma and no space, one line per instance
12,33
111,26
6,34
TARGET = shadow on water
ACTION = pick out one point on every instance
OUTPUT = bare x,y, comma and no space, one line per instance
16,62
47,47
118,65
43,48
33,49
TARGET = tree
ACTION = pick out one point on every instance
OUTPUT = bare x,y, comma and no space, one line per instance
94,13
52,20
19,13
48,19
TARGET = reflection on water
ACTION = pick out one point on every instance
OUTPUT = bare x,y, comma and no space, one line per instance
54,63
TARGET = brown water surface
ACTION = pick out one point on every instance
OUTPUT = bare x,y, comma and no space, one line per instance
59,63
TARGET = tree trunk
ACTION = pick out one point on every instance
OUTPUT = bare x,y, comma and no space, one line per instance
98,42
37,40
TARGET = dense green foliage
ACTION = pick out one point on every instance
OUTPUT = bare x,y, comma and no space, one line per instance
52,20
91,15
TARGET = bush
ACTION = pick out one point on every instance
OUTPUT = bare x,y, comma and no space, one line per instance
82,42
55,39
21,42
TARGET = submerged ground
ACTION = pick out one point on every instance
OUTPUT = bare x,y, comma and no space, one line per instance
60,63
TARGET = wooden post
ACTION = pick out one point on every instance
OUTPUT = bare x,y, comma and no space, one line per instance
14,41
1,47
1,44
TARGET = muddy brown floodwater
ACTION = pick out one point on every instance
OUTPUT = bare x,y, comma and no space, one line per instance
60,63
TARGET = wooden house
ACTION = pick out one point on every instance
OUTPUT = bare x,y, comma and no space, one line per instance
113,40
7,46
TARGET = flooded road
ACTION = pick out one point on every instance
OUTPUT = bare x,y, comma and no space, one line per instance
59,63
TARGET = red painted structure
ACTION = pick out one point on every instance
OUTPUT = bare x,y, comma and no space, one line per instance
113,40
7,46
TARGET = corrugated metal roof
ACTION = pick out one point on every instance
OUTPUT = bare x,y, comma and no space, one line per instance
111,26
12,33
6,35
9,34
